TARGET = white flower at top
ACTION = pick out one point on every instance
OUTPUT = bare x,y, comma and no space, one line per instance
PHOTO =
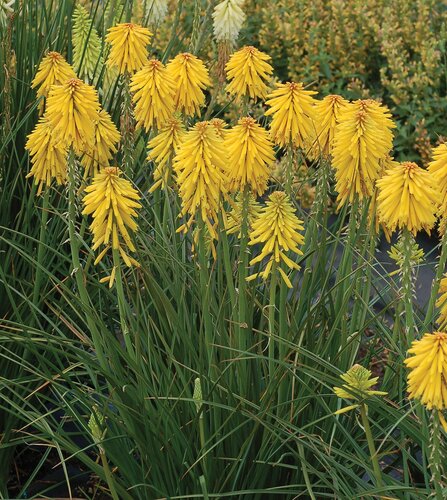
228,19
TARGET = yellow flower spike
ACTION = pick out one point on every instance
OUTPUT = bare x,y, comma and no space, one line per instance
162,149
105,144
53,70
153,95
200,165
220,126
128,50
251,156
112,201
362,139
327,117
48,157
191,78
233,220
407,198
247,70
293,111
72,110
427,379
277,229
438,169
441,303
357,387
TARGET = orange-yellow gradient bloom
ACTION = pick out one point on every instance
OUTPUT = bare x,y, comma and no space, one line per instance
278,230
191,79
362,139
153,95
251,156
112,202
247,71
407,198
72,110
53,70
293,112
48,157
128,50
200,165
427,380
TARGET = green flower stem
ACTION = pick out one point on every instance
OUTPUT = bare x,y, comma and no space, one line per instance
205,295
407,282
371,446
76,263
41,247
108,474
271,320
436,458
243,327
127,127
440,269
203,442
122,304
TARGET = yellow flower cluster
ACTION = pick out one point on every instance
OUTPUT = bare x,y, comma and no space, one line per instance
153,95
72,110
162,149
248,69
201,169
191,79
53,70
251,156
48,156
128,50
105,140
363,138
292,110
112,200
407,198
278,230
427,380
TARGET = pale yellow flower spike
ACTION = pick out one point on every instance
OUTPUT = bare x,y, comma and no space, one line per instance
105,144
162,149
53,70
277,229
128,50
112,201
407,198
427,380
293,111
362,139
200,165
48,157
247,70
438,169
153,95
251,156
72,110
191,79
